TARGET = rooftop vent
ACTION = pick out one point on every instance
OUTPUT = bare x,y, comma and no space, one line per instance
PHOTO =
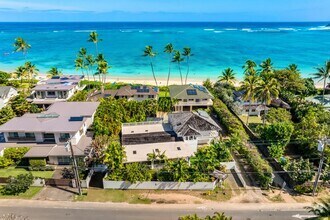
134,151
48,116
179,148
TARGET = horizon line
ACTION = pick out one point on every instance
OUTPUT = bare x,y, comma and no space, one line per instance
163,21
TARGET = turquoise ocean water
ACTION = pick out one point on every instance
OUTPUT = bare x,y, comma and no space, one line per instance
215,45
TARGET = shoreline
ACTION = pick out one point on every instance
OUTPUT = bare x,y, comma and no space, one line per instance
150,81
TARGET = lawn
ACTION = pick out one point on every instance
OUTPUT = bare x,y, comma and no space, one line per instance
108,195
252,119
29,194
12,171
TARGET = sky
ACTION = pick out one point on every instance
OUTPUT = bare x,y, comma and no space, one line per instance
164,10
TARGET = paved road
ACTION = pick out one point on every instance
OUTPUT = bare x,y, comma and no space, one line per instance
63,210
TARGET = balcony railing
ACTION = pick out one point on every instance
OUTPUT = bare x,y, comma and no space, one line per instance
194,103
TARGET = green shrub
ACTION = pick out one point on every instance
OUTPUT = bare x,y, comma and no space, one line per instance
15,153
37,163
4,162
80,96
17,185
228,120
303,188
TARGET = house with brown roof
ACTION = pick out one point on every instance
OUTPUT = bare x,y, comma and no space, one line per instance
56,89
48,133
190,97
130,92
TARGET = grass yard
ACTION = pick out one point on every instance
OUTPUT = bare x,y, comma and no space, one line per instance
252,119
108,195
29,194
12,171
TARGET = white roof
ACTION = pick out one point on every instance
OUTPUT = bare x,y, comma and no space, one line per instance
145,127
172,150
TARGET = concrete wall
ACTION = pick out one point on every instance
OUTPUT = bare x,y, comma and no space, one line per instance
229,165
156,185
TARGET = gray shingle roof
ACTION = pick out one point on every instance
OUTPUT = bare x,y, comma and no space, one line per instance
185,123
4,90
198,92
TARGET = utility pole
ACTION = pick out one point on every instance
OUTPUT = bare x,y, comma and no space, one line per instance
75,168
321,148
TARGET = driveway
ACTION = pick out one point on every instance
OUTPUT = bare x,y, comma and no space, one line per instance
56,193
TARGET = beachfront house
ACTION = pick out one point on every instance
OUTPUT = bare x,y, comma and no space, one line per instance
56,89
47,134
194,126
129,92
6,93
190,97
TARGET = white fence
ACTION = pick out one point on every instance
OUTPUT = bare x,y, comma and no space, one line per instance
157,185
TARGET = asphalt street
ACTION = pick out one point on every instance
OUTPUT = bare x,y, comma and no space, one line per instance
56,210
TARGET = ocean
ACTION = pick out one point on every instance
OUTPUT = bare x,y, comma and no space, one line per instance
215,46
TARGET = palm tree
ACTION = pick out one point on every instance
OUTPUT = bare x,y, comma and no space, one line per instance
54,71
79,64
169,50
228,76
90,63
321,209
20,73
249,68
149,53
152,157
102,69
21,45
83,54
187,53
31,70
323,73
266,91
94,37
249,86
178,59
266,68
293,68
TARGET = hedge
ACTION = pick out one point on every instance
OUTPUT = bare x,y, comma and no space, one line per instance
234,127
228,120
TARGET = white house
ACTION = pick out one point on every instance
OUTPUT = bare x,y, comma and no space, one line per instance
48,133
56,89
6,93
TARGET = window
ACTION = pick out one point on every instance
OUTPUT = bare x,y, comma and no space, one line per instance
65,135
140,96
146,130
29,135
253,110
191,100
185,100
13,134
51,93
132,132
134,151
150,96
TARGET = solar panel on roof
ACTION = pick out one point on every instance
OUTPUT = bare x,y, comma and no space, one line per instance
191,92
76,118
55,77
